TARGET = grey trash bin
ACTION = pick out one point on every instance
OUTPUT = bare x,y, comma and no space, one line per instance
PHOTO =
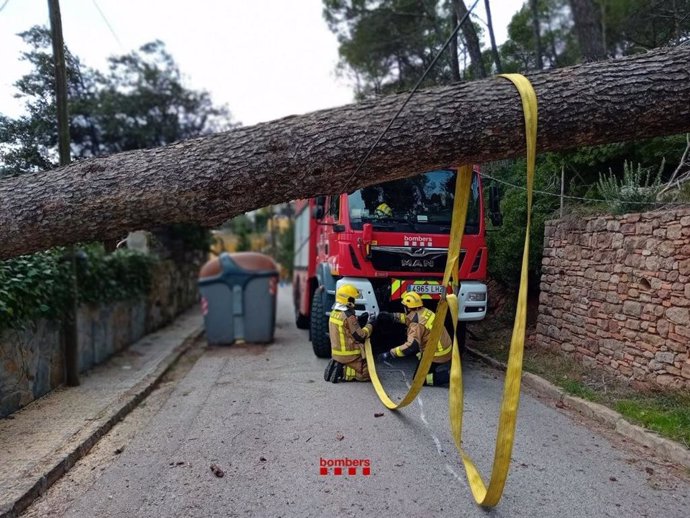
238,298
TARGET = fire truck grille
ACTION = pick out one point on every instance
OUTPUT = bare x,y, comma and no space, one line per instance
393,261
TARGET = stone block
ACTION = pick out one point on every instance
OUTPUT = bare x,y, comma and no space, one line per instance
632,308
683,331
665,357
613,225
627,229
674,232
685,370
678,315
684,267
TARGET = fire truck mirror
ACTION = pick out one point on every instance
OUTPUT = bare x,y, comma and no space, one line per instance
319,207
495,206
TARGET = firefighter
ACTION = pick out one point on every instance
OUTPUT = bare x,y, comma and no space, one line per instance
419,321
383,211
347,333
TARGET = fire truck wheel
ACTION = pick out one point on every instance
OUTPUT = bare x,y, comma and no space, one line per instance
319,325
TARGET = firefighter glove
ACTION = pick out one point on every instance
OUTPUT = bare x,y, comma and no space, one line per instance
383,357
385,316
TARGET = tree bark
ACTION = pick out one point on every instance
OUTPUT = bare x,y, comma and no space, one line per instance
454,63
588,29
492,38
536,27
471,40
213,178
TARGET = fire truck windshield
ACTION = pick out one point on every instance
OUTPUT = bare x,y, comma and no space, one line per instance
423,203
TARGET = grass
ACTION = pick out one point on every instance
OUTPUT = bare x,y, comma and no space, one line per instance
666,413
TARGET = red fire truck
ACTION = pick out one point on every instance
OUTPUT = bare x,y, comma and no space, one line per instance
386,239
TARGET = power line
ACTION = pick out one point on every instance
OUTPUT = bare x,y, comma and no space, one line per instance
112,31
581,198
5,4
414,90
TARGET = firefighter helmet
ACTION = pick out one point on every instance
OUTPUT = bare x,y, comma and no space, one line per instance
411,299
345,293
383,210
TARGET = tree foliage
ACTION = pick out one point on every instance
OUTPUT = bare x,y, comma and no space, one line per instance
140,102
386,44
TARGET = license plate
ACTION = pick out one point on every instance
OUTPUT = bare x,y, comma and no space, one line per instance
426,289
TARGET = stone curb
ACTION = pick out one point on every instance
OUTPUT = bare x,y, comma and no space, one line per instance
672,450
108,418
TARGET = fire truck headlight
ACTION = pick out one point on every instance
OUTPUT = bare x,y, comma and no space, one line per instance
476,296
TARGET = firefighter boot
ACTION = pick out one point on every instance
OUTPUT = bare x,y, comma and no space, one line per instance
334,372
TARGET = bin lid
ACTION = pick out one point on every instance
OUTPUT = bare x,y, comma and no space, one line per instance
211,269
237,262
254,261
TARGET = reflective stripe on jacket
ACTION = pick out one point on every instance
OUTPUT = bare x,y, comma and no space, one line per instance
346,335
419,323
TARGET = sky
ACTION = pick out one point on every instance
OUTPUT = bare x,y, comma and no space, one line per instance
264,59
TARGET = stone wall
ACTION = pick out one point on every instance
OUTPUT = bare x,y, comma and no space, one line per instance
32,360
615,294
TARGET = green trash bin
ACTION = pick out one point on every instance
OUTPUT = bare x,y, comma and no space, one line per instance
238,298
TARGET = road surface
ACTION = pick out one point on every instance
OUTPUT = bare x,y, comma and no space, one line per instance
266,418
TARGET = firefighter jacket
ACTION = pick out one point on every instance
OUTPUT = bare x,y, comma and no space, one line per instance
347,337
419,322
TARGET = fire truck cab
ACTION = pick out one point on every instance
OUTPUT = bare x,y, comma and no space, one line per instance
386,239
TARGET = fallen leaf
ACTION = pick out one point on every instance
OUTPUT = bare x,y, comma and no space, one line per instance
119,450
649,471
339,436
560,404
217,471
613,479
378,414
262,459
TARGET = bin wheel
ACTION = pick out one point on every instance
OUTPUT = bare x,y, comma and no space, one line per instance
318,328
301,321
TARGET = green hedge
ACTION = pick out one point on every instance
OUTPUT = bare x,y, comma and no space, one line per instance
38,285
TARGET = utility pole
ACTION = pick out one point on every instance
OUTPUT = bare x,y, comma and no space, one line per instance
70,317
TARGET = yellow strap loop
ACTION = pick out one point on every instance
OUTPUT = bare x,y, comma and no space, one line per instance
483,495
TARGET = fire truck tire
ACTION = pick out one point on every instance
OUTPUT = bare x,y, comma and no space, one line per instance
320,341
462,338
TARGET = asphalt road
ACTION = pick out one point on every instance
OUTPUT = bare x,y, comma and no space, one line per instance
264,415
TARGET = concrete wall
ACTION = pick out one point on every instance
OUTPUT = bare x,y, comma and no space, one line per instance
615,293
32,360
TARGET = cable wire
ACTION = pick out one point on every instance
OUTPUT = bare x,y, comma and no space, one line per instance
581,198
412,92
112,31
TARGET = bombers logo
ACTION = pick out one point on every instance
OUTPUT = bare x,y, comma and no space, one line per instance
421,241
338,466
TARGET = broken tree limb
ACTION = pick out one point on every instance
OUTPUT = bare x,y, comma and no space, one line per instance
213,178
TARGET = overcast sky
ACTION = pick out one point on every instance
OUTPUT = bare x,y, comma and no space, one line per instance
264,59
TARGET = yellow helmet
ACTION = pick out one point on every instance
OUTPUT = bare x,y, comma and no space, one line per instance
411,299
383,210
345,293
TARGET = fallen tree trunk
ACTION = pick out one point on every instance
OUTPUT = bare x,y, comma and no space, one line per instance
211,179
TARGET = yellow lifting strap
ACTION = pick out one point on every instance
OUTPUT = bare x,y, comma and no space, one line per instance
484,496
